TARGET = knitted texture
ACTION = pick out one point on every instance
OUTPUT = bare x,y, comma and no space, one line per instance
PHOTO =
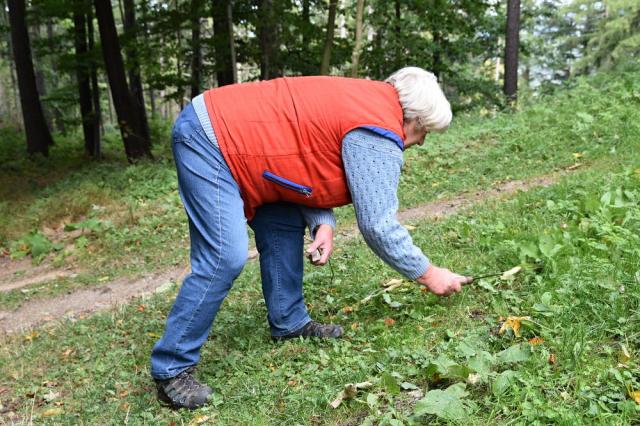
372,164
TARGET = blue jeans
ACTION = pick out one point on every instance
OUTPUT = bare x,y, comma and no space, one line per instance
219,247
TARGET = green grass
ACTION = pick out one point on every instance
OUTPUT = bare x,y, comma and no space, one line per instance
578,247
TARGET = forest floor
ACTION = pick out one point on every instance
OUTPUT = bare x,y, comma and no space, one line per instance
552,188
18,274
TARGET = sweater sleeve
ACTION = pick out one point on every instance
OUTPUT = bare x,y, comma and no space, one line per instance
316,217
372,164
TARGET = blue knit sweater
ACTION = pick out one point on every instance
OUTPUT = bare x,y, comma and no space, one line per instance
372,164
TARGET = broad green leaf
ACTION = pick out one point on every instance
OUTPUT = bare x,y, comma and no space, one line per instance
516,353
390,384
503,382
445,404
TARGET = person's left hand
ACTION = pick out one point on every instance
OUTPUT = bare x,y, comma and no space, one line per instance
324,243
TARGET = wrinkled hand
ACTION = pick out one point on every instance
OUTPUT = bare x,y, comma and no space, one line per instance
324,243
443,282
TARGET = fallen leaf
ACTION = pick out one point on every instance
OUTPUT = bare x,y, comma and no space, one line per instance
292,383
389,322
123,393
355,326
410,227
577,155
350,391
513,323
392,282
199,419
347,309
552,359
635,395
52,412
624,356
510,273
141,308
30,336
536,340
51,396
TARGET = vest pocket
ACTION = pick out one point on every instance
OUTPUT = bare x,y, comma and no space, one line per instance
301,189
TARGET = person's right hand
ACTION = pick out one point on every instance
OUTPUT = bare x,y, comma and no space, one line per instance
442,282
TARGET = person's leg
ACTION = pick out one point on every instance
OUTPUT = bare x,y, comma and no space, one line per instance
279,234
219,246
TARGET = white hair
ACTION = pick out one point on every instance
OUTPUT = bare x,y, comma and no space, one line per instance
421,98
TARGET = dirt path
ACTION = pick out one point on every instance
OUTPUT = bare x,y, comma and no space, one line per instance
36,312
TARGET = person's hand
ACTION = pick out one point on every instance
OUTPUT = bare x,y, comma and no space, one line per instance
323,243
442,282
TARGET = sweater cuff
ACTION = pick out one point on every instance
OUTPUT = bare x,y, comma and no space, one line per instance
317,217
419,270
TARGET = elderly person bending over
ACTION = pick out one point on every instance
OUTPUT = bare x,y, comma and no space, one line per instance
279,155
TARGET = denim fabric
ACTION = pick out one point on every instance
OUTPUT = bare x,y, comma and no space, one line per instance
219,247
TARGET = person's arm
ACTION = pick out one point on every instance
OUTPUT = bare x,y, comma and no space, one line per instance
321,223
372,165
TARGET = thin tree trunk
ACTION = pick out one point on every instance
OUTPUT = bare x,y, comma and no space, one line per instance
512,45
196,53
328,42
14,109
95,89
135,81
41,85
358,41
38,135
133,135
223,42
267,38
83,76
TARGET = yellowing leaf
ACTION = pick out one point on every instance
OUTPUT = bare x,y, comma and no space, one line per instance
635,395
391,283
199,419
513,323
52,412
410,227
350,391
536,341
624,356
577,155
510,273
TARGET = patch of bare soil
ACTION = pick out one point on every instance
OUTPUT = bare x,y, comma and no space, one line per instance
120,291
450,206
36,312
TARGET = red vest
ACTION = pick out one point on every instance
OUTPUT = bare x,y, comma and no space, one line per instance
282,138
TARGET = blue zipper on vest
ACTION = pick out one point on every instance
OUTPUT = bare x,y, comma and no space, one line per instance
304,190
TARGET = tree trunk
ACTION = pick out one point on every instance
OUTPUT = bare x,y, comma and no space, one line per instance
328,42
95,89
136,145
14,106
196,53
83,76
358,41
38,135
223,42
267,37
135,82
512,43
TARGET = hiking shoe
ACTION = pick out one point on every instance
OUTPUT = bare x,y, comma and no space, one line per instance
314,329
183,391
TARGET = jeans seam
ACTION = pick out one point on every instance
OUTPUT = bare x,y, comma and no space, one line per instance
197,310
